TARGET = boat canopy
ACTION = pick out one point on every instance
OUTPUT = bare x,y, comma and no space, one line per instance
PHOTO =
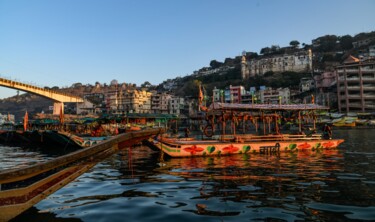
280,107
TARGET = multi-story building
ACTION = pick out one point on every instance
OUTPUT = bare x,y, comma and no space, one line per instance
356,85
6,118
233,94
306,84
176,105
274,96
86,107
247,97
325,80
300,61
371,51
137,101
128,101
93,103
160,102
218,95
326,88
113,101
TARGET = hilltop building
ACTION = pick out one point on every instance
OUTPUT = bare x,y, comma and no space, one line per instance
298,61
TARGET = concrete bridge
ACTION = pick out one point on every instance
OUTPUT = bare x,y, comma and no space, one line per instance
59,98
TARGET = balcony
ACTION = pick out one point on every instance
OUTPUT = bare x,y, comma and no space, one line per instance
368,88
352,88
352,80
354,96
369,96
352,71
370,106
355,105
368,80
368,70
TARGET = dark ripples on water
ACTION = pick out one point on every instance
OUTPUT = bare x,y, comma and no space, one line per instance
17,157
334,185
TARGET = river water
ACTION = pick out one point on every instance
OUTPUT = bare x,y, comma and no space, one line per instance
138,184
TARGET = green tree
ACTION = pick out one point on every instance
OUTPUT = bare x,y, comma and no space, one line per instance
327,43
215,64
268,74
265,50
146,84
294,43
346,42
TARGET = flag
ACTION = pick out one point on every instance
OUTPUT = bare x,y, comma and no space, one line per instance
25,121
200,96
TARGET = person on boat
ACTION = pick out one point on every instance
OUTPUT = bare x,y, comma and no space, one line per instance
187,132
327,132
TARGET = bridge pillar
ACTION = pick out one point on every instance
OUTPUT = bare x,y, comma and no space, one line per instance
57,107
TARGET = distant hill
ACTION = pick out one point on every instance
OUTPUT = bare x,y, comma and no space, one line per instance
18,105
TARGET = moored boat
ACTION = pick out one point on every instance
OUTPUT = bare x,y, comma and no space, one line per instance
263,117
243,144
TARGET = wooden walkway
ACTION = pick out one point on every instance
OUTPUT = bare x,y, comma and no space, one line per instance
22,188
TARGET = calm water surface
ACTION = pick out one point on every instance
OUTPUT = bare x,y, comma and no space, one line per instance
141,185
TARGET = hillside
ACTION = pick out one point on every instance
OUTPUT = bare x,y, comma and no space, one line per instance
328,51
18,105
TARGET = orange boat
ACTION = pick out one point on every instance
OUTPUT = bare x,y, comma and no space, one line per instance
266,115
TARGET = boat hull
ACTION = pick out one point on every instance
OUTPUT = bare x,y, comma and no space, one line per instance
212,148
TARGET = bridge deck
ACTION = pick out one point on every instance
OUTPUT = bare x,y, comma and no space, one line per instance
51,94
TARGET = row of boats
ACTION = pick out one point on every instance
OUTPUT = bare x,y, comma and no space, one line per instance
253,128
349,120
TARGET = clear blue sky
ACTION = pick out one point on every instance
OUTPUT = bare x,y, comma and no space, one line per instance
58,43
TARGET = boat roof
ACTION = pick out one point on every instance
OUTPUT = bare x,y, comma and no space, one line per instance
280,107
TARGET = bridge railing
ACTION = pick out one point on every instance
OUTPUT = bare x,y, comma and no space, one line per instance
36,87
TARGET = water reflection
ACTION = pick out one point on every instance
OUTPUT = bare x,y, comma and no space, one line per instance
136,185
18,157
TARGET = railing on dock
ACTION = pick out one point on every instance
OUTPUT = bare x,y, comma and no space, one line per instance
24,187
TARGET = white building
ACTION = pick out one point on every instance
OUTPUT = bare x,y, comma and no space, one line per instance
371,50
176,105
306,84
160,102
300,61
6,118
218,95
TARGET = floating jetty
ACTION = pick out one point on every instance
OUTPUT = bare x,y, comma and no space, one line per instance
22,188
